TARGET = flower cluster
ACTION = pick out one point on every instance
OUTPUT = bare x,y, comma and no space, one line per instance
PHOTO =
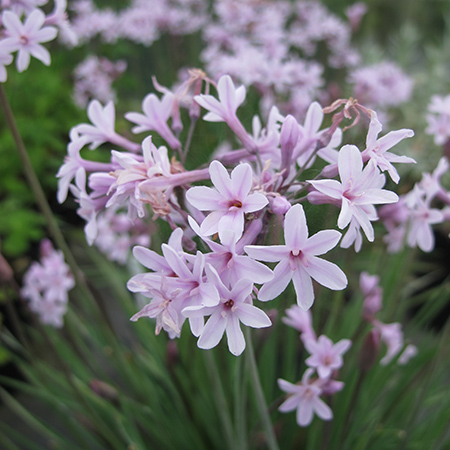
438,119
215,290
425,205
325,360
45,286
93,79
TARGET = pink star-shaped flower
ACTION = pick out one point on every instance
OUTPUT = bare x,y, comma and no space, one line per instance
299,261
358,190
304,397
28,36
229,200
326,356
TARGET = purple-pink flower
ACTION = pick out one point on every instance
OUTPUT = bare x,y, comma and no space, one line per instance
326,356
235,306
229,200
27,37
305,398
298,260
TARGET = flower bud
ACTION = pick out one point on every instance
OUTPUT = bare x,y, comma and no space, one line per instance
280,205
289,135
104,390
370,350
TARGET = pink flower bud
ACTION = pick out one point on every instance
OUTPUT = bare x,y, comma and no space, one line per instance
280,205
370,350
289,135
104,390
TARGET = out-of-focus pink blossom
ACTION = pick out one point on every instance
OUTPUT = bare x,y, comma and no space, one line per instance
304,397
27,37
45,286
326,356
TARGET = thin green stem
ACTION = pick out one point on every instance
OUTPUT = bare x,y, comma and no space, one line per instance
222,406
42,202
239,404
260,400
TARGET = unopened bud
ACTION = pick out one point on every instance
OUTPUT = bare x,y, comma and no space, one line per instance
104,390
280,205
289,135
370,350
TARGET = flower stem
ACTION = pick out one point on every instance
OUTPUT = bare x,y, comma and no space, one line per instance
222,407
260,400
41,199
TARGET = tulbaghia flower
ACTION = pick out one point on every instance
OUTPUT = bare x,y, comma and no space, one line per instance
301,320
392,335
224,109
326,356
156,114
376,149
46,285
102,129
409,352
422,216
298,260
373,294
229,200
358,190
27,37
235,306
304,397
59,18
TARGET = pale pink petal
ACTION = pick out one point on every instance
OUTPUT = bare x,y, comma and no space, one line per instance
295,228
285,386
203,198
282,275
150,259
376,197
350,163
213,331
12,23
375,128
314,118
235,337
304,413
346,214
326,273
241,290
254,202
290,403
220,179
342,346
322,409
211,223
40,53
23,60
322,242
331,188
232,220
272,253
175,262
252,316
46,34
241,180
303,287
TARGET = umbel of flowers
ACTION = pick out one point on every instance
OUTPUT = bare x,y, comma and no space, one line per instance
219,263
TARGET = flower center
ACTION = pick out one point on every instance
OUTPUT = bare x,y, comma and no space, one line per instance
229,304
235,203
23,40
